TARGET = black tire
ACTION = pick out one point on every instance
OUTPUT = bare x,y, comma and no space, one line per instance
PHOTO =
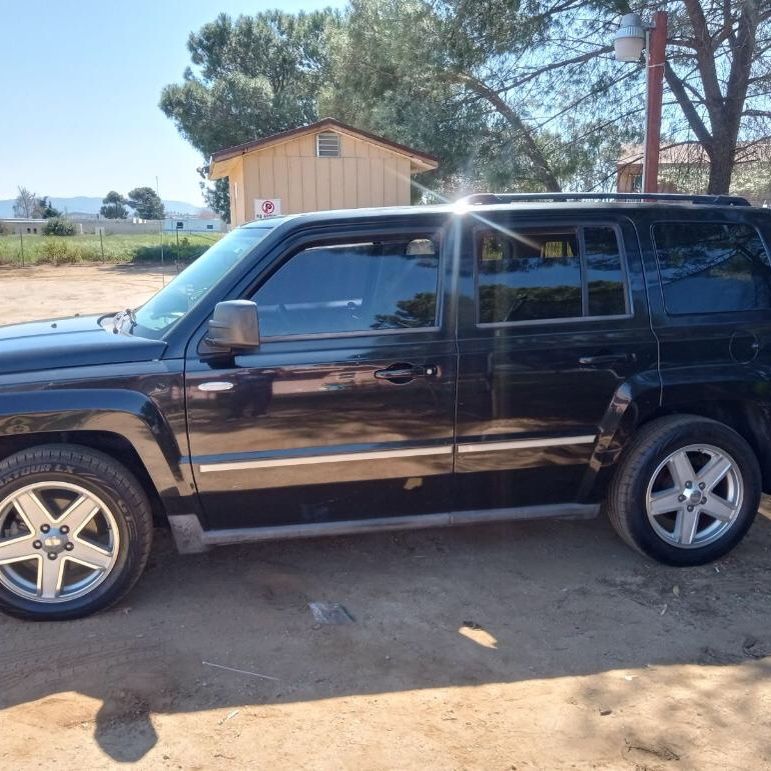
653,444
114,485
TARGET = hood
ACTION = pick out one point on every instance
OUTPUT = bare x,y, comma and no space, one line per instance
73,342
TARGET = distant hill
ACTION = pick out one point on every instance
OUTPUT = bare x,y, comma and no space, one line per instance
87,205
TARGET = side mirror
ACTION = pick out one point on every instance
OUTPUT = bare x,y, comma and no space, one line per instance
235,324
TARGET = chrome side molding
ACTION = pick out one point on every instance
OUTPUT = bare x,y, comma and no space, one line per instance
407,452
304,460
522,444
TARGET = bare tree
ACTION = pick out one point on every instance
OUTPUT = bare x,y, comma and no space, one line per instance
25,204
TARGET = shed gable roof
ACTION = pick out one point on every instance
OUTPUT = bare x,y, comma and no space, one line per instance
424,161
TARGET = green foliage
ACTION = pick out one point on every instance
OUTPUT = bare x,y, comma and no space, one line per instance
114,206
60,253
140,247
171,252
217,197
469,82
45,209
59,226
388,77
146,203
253,76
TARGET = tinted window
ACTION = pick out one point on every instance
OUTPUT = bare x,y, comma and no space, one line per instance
352,287
710,268
604,277
191,285
530,275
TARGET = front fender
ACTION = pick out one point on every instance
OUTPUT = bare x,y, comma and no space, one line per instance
132,415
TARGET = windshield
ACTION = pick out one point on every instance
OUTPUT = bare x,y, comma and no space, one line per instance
188,288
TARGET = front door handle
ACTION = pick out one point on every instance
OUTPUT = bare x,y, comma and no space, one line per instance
403,373
607,358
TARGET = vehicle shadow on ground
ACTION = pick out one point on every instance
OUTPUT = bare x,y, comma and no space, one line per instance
430,609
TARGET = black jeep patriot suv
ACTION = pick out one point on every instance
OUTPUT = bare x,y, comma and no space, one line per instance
507,357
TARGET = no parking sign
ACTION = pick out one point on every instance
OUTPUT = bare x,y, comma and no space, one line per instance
266,207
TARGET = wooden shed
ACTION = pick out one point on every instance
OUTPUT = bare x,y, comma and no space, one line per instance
325,165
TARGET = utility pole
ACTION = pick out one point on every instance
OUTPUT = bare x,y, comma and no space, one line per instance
655,58
631,39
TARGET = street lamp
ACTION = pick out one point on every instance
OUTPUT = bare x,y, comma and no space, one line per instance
631,39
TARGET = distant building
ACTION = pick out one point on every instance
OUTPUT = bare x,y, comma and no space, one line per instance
90,225
325,165
193,225
27,227
684,168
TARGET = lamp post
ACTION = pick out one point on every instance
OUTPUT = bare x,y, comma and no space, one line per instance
632,38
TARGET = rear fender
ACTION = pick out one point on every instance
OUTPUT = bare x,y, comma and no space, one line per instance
634,402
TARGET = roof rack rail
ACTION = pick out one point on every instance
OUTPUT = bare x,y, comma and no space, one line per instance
712,200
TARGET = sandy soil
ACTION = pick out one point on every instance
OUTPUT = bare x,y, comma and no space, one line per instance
45,291
541,645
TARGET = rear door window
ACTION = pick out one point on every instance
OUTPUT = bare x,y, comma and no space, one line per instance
712,267
537,274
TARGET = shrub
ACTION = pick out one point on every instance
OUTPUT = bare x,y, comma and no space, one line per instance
58,253
4,229
187,253
59,226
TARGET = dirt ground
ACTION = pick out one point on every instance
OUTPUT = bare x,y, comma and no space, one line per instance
532,645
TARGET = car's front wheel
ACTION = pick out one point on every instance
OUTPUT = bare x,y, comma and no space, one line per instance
686,491
75,532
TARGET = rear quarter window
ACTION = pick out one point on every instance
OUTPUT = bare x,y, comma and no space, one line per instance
712,267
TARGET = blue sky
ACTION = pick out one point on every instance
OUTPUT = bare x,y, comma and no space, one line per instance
80,82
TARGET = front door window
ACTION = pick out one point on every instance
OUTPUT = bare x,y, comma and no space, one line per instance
353,287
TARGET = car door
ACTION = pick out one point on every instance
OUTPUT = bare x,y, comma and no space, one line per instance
553,332
346,408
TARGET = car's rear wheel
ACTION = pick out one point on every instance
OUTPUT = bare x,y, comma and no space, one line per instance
686,491
75,532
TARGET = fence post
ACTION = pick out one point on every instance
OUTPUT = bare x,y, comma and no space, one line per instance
21,241
101,243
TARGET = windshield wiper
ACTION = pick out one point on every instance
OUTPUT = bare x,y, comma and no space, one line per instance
120,318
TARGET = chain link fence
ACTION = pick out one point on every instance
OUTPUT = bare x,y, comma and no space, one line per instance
27,249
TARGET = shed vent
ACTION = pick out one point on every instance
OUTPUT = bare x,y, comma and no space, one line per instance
328,145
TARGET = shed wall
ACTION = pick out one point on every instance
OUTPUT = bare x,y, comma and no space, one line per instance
364,175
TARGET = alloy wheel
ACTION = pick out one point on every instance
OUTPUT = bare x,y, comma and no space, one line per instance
58,542
694,496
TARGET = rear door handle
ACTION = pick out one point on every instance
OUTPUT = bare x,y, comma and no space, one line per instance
403,373
607,358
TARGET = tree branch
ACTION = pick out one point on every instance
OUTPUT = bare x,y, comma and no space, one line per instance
545,173
558,65
705,56
686,105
